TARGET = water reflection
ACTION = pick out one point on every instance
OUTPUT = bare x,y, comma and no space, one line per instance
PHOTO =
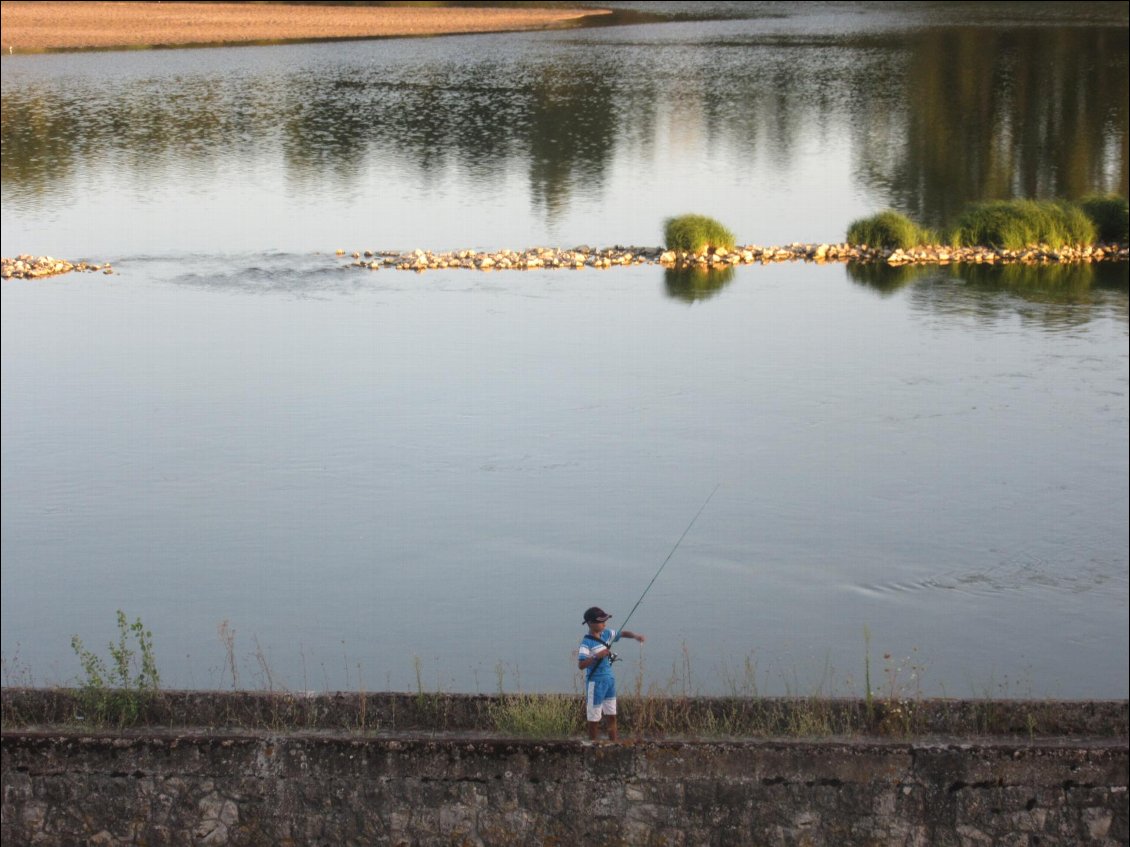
1073,284
691,284
1068,296
1018,112
883,278
589,124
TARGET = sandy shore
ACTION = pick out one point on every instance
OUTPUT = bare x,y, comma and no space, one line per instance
37,26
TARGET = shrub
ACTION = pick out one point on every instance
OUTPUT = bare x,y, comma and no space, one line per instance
695,234
1016,224
889,230
113,694
1110,215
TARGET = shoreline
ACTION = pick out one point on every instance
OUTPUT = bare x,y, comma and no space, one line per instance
30,26
547,258
26,266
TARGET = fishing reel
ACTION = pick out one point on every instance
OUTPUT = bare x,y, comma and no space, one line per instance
612,657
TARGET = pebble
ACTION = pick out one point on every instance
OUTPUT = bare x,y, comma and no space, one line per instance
37,267
607,257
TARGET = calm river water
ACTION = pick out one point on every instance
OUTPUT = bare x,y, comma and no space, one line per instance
385,480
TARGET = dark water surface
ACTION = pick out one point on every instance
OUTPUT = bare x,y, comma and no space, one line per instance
375,477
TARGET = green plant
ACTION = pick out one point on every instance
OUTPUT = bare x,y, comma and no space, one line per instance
1016,224
536,716
889,230
118,692
696,234
1110,214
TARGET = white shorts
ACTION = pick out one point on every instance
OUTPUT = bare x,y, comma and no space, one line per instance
597,700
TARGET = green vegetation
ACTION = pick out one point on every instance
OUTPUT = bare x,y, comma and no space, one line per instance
124,692
537,715
889,230
1110,215
1016,224
1005,224
897,712
118,693
696,234
658,716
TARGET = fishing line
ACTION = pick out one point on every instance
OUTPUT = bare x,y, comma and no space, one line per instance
669,555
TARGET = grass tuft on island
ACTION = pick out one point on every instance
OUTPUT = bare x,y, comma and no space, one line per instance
889,230
1034,232
696,234
1110,214
1014,224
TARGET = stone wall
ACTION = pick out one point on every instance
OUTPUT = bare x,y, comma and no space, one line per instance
321,787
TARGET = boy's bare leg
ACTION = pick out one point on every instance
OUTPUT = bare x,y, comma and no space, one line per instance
613,734
594,729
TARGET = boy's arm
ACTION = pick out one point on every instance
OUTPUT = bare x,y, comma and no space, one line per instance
585,664
595,656
634,635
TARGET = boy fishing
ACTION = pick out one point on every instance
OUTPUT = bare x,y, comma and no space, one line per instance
595,658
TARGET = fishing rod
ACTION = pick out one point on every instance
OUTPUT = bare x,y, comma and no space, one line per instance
612,657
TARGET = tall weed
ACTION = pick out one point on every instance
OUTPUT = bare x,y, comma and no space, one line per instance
117,692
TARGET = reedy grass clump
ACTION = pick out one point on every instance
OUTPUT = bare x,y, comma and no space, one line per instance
537,715
1016,224
1110,214
889,230
696,234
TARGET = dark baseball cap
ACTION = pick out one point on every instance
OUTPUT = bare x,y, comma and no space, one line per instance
595,614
